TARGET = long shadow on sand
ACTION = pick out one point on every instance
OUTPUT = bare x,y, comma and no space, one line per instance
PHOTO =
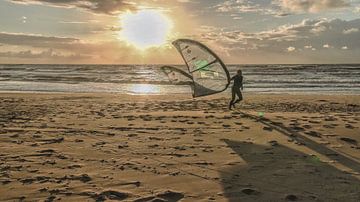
343,159
278,173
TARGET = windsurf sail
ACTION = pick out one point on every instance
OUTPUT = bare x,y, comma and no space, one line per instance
208,73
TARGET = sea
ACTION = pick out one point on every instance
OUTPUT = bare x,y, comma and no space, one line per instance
149,79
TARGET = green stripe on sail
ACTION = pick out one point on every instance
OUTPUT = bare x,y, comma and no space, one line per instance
200,64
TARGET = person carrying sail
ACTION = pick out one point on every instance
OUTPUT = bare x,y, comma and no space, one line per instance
235,90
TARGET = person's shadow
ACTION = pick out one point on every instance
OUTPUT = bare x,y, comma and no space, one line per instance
278,173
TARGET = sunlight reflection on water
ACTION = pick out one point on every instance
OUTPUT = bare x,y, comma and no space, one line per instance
145,89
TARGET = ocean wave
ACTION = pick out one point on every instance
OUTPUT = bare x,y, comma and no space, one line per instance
256,77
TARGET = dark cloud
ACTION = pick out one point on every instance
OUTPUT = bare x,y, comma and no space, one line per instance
44,49
21,39
110,7
49,54
53,42
63,44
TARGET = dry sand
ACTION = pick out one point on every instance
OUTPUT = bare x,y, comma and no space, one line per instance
96,147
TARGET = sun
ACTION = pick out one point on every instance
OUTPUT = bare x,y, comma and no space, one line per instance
145,28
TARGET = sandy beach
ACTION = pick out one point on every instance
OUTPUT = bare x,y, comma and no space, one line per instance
97,147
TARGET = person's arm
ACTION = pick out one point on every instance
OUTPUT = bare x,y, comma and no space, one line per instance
232,78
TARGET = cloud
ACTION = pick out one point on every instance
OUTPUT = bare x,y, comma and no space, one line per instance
73,22
312,6
237,46
308,31
237,6
310,47
291,49
66,44
33,40
46,54
280,8
31,48
351,30
344,48
245,6
357,9
310,34
110,7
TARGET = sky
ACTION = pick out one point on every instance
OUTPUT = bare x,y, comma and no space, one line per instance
141,31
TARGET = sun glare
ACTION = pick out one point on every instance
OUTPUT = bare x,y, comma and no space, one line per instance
146,28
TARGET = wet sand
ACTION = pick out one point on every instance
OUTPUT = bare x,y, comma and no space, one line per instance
97,147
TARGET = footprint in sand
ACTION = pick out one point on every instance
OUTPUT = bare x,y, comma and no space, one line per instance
328,126
112,195
297,128
268,128
78,140
349,126
291,197
314,121
74,166
249,191
165,196
330,118
349,140
313,133
53,141
106,195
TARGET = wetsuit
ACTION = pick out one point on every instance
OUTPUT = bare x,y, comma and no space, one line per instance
235,90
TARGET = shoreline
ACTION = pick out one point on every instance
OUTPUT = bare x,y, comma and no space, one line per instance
222,94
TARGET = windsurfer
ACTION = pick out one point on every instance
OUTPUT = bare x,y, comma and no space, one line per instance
235,90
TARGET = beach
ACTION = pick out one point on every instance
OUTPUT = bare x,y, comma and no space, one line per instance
108,146
134,101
